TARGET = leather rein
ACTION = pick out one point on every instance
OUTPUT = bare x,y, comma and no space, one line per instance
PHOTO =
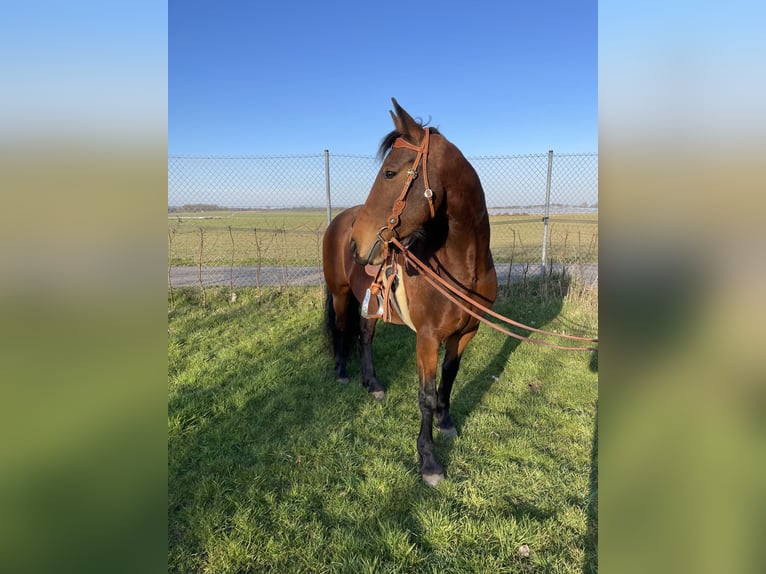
463,301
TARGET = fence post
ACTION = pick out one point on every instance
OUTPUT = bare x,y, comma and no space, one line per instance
546,213
327,184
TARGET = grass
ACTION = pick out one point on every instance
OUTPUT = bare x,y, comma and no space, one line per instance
273,237
275,467
293,237
572,238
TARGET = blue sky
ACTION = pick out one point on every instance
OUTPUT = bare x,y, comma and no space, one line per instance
298,77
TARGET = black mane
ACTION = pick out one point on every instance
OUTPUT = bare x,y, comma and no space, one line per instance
388,141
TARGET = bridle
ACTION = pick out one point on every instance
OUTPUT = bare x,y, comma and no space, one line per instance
470,306
412,174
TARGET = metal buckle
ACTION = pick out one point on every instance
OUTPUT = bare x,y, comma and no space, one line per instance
428,193
380,234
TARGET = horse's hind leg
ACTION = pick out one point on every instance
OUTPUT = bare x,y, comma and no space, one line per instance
342,323
369,380
453,352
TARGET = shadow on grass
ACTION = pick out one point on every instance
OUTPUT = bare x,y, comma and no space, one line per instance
243,429
547,302
591,536
548,307
590,565
394,348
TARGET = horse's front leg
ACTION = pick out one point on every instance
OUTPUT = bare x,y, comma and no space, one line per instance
369,380
454,347
427,355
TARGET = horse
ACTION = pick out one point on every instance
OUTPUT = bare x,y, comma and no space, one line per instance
426,199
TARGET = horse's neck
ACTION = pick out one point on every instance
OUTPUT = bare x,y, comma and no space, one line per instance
468,218
466,204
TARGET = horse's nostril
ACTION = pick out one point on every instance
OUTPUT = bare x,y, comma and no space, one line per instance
353,247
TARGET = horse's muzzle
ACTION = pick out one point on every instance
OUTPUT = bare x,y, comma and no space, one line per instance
373,257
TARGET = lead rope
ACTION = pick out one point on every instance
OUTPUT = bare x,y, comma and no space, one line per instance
451,293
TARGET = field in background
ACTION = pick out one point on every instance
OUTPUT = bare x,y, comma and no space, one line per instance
293,237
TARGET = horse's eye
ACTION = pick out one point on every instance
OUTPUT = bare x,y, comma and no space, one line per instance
389,174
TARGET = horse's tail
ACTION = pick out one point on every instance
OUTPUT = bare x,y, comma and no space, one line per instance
343,342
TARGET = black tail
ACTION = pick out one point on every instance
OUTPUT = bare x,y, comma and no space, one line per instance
343,342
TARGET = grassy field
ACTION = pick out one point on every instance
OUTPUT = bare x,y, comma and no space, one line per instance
275,467
293,237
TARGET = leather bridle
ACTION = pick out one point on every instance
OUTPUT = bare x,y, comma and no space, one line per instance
412,174
470,306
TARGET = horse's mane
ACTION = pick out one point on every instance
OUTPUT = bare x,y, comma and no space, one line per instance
388,141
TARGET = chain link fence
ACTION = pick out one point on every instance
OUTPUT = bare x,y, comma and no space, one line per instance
257,220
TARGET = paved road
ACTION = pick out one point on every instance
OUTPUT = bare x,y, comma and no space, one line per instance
184,276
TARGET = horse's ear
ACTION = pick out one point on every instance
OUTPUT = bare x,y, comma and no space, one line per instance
405,125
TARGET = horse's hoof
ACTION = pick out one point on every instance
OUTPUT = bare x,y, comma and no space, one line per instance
433,479
342,380
450,432
380,395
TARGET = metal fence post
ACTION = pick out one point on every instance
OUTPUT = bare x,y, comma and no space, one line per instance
546,213
327,184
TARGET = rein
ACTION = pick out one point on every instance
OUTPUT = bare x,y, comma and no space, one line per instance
434,279
465,303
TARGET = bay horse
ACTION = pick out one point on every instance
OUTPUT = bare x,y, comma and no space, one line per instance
426,198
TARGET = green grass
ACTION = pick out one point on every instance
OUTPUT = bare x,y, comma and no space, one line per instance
275,467
293,237
273,237
572,238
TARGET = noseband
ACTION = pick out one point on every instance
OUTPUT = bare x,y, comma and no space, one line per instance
412,174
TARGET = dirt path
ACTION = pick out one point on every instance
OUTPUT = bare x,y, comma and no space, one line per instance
188,276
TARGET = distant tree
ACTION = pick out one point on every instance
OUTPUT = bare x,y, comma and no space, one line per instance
200,207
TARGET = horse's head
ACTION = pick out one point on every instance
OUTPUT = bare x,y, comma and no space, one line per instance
406,193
